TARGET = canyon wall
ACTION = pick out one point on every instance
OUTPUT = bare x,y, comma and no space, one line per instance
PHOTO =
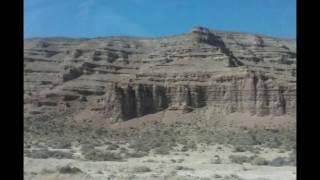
120,78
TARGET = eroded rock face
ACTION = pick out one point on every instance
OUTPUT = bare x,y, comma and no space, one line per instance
121,78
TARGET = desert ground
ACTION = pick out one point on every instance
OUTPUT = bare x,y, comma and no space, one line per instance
163,151
207,162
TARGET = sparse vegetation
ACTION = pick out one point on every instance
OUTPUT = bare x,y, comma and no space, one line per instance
183,168
112,147
61,144
44,154
279,161
216,160
256,160
137,154
123,149
245,148
99,172
163,150
47,171
162,138
283,161
151,161
217,176
85,148
239,159
98,155
184,149
69,170
240,148
232,177
141,169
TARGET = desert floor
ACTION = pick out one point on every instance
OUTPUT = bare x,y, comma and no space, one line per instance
197,164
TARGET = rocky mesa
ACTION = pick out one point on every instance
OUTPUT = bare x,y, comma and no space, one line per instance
116,79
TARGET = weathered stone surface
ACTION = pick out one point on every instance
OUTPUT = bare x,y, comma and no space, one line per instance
120,78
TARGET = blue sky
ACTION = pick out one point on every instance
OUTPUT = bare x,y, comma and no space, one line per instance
93,18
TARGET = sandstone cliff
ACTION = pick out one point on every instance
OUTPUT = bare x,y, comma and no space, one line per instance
107,80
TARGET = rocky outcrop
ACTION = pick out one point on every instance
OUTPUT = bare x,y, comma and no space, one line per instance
249,93
121,78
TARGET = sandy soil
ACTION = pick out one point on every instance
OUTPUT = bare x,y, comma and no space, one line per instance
177,165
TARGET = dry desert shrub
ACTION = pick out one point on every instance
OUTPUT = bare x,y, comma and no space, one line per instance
279,161
159,137
99,172
293,157
217,176
69,170
47,171
98,155
112,147
163,150
239,159
151,161
183,168
180,160
259,161
123,149
141,169
245,148
189,145
44,154
253,160
137,154
232,177
240,148
283,161
216,160
265,137
184,149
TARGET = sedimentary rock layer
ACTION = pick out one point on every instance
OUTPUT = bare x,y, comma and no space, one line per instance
119,78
